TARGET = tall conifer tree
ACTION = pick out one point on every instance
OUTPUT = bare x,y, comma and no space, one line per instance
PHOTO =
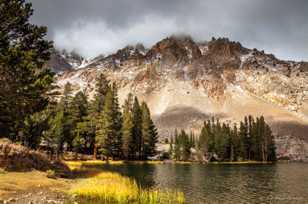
101,88
137,129
24,83
128,145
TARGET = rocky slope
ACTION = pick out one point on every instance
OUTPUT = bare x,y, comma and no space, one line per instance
185,82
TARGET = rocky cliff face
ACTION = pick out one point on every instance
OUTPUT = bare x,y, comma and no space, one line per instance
185,82
58,63
61,61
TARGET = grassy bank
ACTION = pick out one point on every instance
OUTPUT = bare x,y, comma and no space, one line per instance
14,183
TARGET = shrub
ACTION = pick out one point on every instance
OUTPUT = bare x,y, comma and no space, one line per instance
51,174
19,158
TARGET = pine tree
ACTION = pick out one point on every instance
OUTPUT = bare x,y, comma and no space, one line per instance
60,123
83,131
54,136
145,130
191,139
246,138
203,143
239,151
171,144
219,139
177,146
23,81
109,125
65,105
57,131
117,116
35,126
137,128
251,137
263,142
153,139
79,107
105,132
212,136
271,147
127,129
242,138
149,132
101,88
185,146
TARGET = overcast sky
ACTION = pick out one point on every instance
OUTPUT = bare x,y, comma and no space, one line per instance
94,27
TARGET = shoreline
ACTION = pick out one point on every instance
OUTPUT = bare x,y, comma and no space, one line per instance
88,163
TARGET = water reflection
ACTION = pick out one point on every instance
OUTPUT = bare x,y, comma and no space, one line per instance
281,183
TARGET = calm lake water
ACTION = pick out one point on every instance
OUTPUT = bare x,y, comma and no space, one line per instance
280,183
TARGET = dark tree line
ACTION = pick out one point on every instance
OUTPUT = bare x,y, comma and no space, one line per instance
252,140
99,126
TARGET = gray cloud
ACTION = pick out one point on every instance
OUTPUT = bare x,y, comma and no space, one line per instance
95,27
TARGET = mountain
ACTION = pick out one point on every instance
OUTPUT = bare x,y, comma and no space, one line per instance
61,61
58,63
74,59
186,82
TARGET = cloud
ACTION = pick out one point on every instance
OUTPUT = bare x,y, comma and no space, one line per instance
94,38
101,26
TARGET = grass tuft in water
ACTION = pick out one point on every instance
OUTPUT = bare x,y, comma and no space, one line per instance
109,187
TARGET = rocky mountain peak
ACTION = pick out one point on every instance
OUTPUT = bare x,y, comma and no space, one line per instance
129,52
226,48
179,50
58,63
129,55
73,58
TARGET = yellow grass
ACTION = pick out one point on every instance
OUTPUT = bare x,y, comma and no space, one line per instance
109,187
75,165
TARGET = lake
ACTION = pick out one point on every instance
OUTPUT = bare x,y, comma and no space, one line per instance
278,183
